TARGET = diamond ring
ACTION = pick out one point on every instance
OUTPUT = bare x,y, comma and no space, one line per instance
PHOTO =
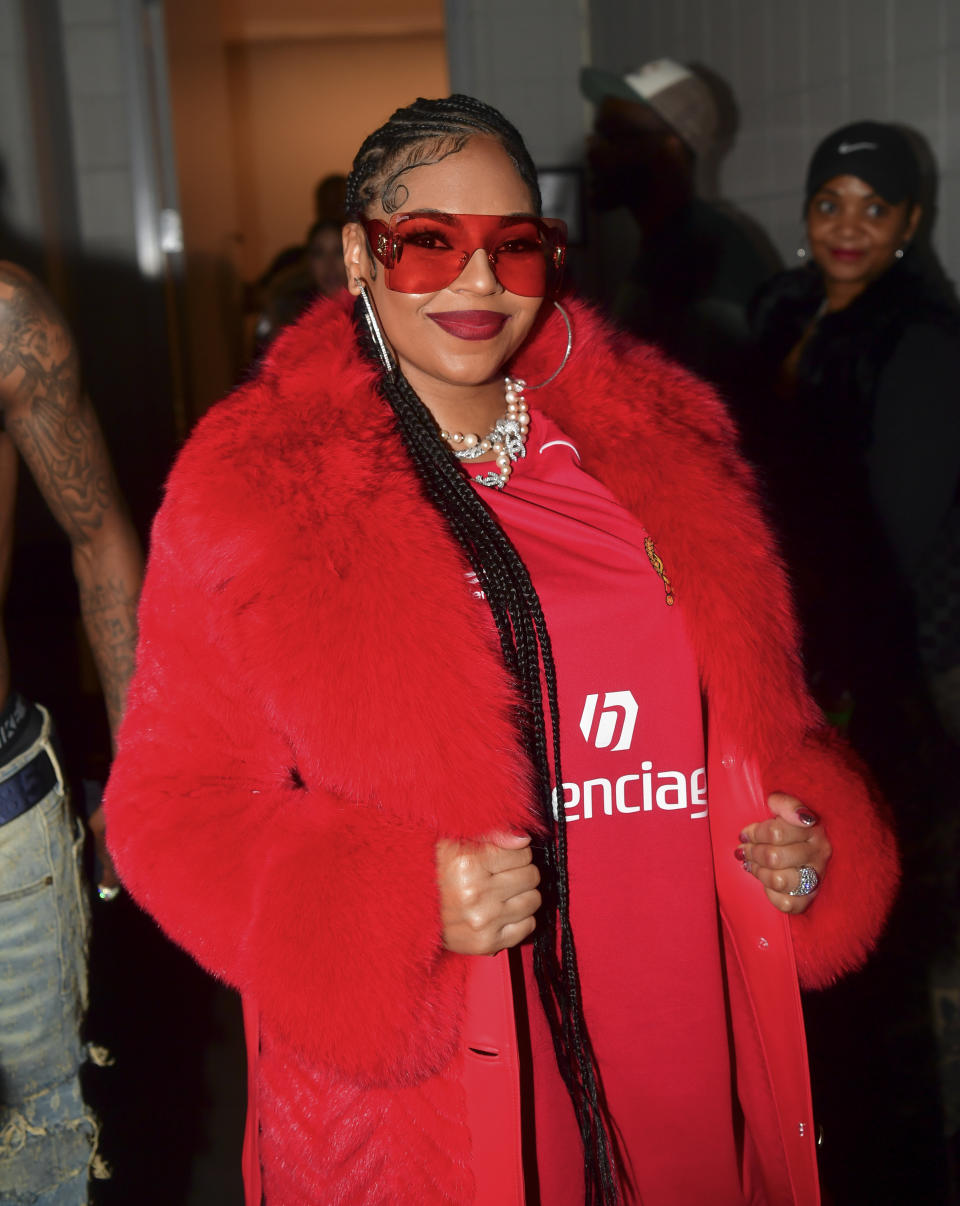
809,881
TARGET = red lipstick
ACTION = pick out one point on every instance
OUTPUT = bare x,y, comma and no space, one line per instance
846,253
469,324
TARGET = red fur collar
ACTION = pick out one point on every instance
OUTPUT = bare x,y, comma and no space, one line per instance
664,443
372,583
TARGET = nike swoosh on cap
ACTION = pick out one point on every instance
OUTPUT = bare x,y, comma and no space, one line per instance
846,147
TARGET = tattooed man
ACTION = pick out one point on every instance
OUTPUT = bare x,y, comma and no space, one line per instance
46,1134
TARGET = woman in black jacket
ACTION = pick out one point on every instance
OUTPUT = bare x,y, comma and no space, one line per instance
859,434
857,431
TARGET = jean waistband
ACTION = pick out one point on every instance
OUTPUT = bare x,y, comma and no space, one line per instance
20,724
26,779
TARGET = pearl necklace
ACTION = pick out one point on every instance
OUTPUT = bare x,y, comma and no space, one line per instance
507,439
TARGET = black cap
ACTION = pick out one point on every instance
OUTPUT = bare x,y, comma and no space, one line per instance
879,154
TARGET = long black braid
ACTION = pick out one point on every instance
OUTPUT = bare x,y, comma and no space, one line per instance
422,133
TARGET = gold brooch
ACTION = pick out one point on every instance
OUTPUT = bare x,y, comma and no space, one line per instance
658,568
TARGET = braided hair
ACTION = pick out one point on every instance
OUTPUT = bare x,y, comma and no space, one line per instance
421,133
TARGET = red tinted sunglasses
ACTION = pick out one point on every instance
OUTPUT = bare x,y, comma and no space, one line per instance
425,251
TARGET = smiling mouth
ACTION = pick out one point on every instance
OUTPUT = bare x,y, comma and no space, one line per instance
846,253
470,324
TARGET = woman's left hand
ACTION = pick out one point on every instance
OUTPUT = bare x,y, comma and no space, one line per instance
787,853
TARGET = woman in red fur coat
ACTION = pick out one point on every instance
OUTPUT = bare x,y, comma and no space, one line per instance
435,667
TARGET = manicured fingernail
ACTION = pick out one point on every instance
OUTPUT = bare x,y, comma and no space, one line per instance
740,854
744,837
746,864
807,817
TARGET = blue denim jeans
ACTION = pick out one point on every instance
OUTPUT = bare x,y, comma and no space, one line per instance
47,1136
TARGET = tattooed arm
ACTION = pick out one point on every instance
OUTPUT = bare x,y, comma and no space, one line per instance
56,432
54,427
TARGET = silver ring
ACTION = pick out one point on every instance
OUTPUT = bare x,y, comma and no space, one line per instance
809,881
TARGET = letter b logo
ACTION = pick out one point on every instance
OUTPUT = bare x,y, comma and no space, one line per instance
619,712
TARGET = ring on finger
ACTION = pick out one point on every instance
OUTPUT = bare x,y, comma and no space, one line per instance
809,881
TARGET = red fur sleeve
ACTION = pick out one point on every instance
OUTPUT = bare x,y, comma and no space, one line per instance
836,933
326,912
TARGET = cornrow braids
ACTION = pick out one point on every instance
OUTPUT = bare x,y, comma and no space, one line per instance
525,642
425,132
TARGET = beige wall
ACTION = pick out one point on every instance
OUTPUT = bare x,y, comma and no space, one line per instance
261,20
300,109
268,96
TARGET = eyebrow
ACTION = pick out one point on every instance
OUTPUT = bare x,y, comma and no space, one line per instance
832,192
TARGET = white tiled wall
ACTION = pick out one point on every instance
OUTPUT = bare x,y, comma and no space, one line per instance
524,56
98,88
96,147
19,207
798,68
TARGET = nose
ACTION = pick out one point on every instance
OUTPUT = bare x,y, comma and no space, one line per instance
847,222
478,275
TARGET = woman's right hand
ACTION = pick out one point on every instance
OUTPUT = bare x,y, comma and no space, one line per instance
488,893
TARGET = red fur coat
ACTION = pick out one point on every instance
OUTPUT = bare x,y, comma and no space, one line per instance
302,723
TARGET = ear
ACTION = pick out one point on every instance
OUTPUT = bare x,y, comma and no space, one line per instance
912,223
356,256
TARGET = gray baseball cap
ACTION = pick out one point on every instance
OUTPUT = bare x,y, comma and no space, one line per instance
675,93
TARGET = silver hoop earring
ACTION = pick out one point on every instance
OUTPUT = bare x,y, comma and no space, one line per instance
375,329
801,253
898,254
566,355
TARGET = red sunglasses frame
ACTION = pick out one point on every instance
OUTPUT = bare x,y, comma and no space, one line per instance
386,245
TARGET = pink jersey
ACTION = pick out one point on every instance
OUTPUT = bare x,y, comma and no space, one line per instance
643,903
